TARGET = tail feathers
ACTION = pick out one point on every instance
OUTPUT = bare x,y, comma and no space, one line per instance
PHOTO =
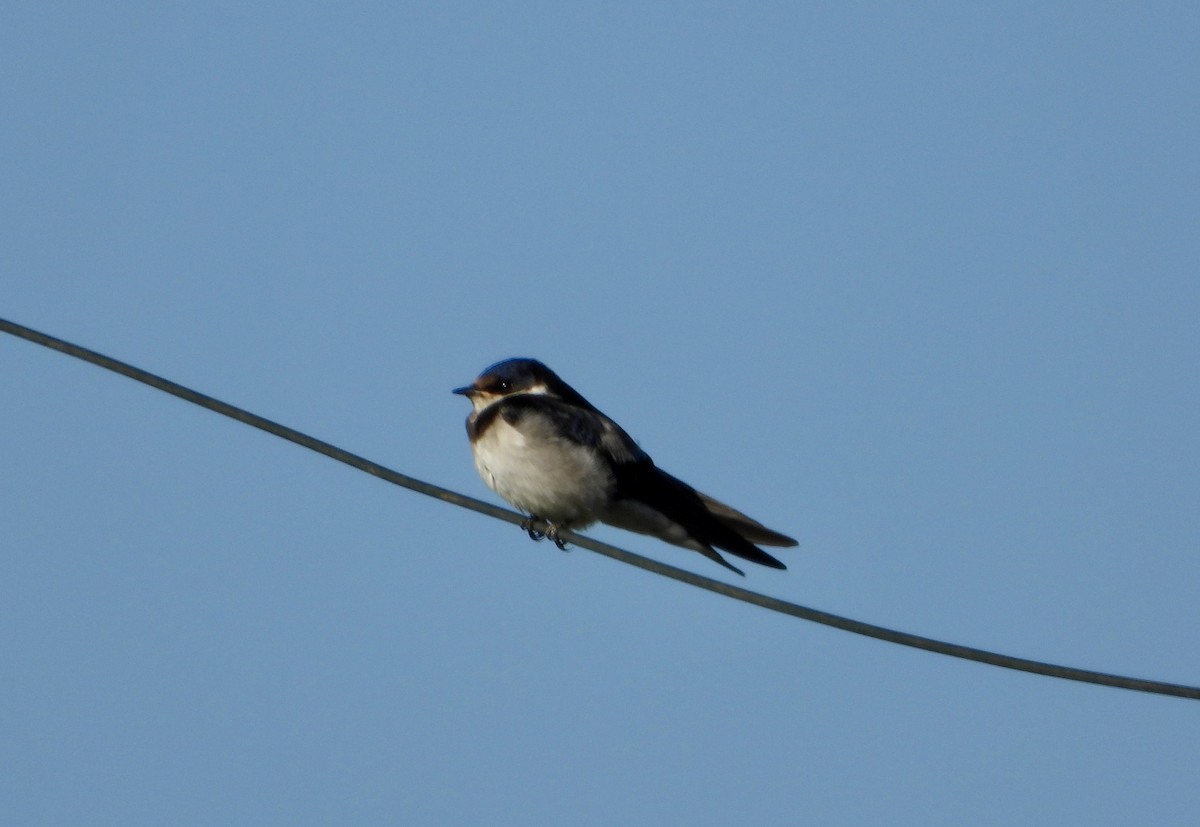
752,530
651,501
740,547
717,558
725,531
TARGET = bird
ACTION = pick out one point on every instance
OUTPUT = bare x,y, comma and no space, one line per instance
555,457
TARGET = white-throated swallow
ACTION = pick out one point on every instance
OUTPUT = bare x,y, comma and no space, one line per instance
552,455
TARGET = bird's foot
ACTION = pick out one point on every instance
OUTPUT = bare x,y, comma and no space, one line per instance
552,533
528,524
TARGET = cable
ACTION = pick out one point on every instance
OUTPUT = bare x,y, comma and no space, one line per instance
682,575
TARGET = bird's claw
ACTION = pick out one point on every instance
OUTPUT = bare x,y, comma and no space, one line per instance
558,541
538,535
534,534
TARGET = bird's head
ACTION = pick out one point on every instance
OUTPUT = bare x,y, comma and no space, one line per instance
513,376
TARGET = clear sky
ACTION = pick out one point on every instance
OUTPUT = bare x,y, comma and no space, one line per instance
914,283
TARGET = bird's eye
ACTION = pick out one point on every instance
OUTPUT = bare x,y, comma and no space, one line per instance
505,385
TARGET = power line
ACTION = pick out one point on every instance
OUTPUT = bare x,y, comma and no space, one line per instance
682,575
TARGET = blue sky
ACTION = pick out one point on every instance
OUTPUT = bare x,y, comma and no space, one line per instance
914,283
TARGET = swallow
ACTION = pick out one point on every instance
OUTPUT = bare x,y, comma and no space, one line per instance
555,457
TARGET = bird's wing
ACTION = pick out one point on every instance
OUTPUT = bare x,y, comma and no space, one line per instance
751,529
585,426
679,503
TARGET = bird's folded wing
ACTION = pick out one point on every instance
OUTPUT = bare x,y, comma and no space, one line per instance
751,529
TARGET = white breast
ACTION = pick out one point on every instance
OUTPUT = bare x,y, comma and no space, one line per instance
543,474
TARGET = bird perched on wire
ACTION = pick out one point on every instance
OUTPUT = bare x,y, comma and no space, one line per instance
554,456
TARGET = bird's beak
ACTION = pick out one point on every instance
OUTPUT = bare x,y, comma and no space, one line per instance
467,391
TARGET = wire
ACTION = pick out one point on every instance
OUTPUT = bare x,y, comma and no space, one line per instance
682,575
